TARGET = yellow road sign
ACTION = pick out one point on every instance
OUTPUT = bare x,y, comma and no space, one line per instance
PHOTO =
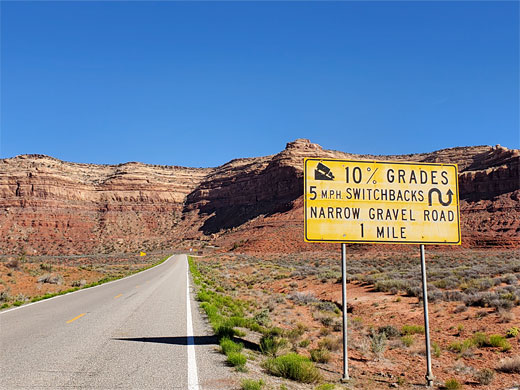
381,202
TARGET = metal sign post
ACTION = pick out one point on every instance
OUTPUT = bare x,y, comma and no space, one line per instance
344,298
429,375
381,202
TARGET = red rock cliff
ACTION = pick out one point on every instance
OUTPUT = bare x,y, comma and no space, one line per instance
54,207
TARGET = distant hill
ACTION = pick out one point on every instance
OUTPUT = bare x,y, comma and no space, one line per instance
48,206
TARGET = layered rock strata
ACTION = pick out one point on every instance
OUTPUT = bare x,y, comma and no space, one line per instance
48,206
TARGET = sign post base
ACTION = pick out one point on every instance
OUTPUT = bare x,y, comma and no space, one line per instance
344,298
429,375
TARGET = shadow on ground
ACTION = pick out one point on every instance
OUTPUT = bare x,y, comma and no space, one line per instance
197,340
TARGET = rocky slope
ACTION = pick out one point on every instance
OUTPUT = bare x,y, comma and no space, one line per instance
48,206
54,207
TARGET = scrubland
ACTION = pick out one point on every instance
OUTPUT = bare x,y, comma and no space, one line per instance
278,318
32,278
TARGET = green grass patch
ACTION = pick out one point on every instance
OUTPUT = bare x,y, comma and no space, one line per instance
407,340
452,384
480,339
293,366
412,329
513,332
237,360
224,313
251,384
497,340
320,355
459,347
436,349
271,344
325,386
227,345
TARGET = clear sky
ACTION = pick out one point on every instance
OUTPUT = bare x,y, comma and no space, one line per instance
200,83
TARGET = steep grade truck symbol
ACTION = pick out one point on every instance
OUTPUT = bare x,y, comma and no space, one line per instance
322,172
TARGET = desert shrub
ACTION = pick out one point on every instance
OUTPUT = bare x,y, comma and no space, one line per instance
262,318
270,344
293,366
461,347
483,284
203,296
485,376
436,349
389,331
14,264
453,296
304,343
51,279
414,290
327,306
324,331
224,330
325,386
237,360
447,283
512,332
320,355
337,326
412,329
331,344
452,384
497,340
502,304
391,285
357,323
302,298
46,267
79,283
250,384
510,365
506,316
460,309
4,296
479,299
378,343
227,345
295,333
434,294
509,279
407,340
326,320
480,339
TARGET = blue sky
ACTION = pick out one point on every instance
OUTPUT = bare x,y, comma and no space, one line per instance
200,83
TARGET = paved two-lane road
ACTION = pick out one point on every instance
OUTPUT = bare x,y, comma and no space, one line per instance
132,333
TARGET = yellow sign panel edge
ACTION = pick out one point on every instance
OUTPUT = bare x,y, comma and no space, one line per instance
458,242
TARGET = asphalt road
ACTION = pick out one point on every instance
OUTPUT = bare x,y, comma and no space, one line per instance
134,333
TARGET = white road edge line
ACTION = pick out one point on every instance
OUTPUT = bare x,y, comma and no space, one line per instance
84,289
193,379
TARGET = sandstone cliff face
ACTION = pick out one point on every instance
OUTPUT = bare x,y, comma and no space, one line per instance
48,206
53,207
245,189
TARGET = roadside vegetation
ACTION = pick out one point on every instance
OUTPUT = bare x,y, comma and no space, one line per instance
29,277
283,314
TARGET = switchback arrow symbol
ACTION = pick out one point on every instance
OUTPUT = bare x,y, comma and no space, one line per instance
449,193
